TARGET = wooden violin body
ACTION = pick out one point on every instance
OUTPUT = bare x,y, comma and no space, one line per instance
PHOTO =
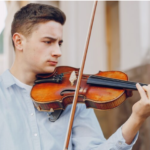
54,91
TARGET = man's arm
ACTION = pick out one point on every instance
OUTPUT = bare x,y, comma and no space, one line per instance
140,111
87,134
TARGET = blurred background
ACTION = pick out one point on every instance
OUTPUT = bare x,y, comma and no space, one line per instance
120,41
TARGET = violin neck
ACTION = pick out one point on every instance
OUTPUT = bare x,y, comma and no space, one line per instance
112,83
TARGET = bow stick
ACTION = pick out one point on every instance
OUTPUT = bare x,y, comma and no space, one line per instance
73,109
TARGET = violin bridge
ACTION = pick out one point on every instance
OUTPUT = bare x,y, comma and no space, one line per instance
51,110
72,78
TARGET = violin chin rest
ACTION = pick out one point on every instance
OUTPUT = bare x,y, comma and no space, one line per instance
54,115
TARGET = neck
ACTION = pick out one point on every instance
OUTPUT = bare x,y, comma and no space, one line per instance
22,73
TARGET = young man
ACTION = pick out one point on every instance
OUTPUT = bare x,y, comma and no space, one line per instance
37,35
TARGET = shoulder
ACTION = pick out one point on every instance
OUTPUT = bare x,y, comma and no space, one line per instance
1,89
0,81
1,85
6,79
0,78
3,80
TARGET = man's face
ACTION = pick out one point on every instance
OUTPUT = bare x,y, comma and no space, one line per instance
42,48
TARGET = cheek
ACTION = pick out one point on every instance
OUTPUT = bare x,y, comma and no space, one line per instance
37,55
34,55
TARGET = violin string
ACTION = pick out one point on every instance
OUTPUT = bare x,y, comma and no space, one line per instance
113,79
117,80
120,83
112,83
106,78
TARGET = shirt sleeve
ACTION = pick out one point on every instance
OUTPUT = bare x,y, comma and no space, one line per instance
87,134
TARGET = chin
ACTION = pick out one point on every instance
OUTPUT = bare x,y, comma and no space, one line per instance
49,69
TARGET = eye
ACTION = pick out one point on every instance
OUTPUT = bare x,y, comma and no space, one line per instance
60,44
47,42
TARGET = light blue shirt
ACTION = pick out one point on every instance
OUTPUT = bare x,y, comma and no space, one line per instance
23,127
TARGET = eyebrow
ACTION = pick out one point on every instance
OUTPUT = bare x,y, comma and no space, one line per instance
51,38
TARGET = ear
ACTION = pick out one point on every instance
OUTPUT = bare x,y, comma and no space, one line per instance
18,41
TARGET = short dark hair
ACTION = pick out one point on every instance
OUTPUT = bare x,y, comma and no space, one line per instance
32,14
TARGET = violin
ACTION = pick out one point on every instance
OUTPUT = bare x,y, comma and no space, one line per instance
104,90
68,85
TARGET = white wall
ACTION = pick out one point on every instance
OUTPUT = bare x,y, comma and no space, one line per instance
75,32
130,34
145,30
134,33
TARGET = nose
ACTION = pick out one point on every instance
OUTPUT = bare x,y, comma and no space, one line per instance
56,51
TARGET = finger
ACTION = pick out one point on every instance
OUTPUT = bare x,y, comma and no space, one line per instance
147,89
141,91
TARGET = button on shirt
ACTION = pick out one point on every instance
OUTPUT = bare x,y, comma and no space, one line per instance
23,127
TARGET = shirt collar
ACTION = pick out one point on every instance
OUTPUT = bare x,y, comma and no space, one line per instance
7,78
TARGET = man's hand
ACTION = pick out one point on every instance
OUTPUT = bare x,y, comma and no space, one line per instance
140,111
